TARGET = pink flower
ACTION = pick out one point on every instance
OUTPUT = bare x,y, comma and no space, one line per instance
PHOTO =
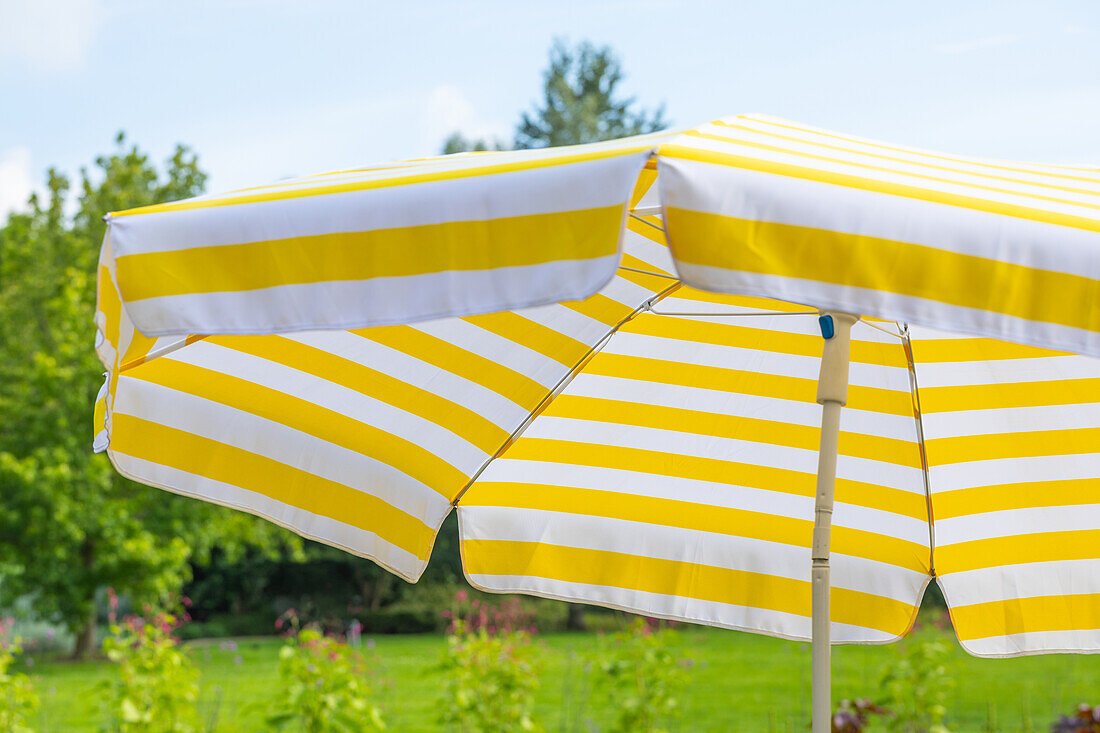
461,595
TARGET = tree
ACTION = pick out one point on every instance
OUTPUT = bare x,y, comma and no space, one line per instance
69,524
580,104
458,143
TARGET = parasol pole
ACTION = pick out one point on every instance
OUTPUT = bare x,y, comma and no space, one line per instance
832,394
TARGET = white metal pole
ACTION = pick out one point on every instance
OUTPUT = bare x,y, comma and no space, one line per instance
832,394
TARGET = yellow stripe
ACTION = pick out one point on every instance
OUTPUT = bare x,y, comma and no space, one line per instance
1027,615
1016,394
697,422
1024,495
166,446
517,387
919,193
426,177
692,516
646,179
111,307
760,384
892,169
715,470
1017,549
99,415
654,231
866,262
927,351
600,308
533,335
946,451
398,252
684,580
939,156
760,339
352,375
329,425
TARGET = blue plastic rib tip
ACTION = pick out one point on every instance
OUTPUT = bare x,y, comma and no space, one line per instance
827,328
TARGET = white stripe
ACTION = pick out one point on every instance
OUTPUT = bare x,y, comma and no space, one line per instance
730,552
502,350
380,301
675,608
496,408
1022,184
628,343
565,321
1011,420
545,190
282,443
879,473
1004,371
733,403
923,220
452,448
1010,582
313,526
1013,522
1035,642
1013,470
728,495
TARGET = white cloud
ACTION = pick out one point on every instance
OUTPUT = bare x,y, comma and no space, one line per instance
16,181
447,111
977,44
49,35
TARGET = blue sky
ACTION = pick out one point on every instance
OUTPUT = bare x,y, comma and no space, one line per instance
264,90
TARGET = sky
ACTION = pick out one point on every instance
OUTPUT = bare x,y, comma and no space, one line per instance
265,90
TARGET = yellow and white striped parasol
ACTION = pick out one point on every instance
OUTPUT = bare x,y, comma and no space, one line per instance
612,435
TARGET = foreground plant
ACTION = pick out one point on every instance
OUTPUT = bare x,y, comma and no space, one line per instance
916,686
324,687
854,716
640,674
156,689
18,702
1085,720
492,667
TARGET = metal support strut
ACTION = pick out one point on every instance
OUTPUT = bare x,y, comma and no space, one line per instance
832,394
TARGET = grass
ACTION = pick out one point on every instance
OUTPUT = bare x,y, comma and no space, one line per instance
741,682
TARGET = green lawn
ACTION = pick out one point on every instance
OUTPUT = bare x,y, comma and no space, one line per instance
742,682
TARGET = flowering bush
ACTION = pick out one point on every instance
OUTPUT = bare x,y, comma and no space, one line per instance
853,716
156,689
639,674
1086,720
18,702
491,665
324,684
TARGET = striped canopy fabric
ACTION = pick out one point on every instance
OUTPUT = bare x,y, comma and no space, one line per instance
752,204
649,446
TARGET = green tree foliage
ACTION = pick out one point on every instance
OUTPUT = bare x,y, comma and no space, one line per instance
69,524
580,104
459,143
18,701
